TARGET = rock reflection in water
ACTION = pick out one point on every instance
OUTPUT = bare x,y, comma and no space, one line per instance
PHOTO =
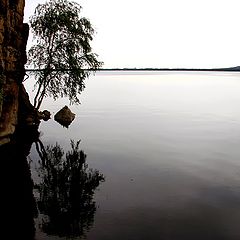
66,190
18,207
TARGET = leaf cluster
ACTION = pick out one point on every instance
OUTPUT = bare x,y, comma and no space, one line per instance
62,49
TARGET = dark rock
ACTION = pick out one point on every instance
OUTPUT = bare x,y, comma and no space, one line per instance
64,116
25,108
13,40
45,115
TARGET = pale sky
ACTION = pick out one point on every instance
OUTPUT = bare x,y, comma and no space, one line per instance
162,33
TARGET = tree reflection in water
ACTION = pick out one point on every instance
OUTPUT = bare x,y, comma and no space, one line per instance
66,190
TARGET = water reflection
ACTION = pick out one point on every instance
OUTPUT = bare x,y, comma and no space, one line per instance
18,207
66,190
62,201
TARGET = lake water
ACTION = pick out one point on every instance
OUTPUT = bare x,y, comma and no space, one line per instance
168,145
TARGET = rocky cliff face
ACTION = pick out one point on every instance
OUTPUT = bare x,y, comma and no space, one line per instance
13,40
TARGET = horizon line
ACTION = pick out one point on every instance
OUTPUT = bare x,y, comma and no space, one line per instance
145,69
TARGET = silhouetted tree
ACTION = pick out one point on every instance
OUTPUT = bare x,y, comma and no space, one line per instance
62,51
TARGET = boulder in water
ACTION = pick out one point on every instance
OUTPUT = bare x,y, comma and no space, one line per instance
64,116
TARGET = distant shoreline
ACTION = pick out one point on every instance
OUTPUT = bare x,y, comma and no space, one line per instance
233,69
173,69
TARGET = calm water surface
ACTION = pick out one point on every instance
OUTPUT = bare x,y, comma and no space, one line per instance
168,145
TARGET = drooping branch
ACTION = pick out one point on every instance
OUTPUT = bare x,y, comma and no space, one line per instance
63,42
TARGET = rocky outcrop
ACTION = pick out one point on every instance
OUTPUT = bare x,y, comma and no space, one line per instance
64,116
13,40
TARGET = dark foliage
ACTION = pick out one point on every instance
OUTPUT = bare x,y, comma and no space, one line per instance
62,51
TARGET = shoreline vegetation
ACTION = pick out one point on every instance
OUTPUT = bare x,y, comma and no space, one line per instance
230,69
